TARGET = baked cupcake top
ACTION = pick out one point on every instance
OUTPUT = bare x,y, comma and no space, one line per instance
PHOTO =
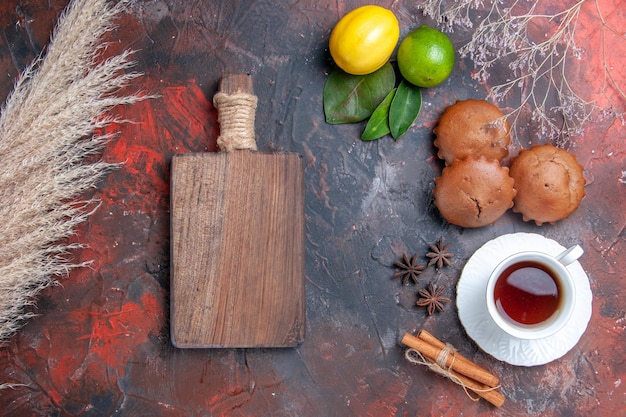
474,192
472,128
549,182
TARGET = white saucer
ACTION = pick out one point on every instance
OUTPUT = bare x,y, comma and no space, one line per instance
470,300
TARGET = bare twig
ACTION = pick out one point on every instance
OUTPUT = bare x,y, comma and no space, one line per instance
501,40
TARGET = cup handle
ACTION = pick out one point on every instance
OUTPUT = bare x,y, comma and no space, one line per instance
570,255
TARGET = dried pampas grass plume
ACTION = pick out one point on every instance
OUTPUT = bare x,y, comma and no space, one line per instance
48,130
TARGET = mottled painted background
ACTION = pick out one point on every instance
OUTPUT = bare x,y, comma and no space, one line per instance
100,345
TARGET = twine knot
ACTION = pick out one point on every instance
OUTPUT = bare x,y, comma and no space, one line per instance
439,366
236,115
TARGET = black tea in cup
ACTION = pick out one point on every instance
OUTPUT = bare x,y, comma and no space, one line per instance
527,293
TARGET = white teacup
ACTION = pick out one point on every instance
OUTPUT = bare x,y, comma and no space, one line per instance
531,295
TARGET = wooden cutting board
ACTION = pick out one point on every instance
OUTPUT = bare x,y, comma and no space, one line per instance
237,238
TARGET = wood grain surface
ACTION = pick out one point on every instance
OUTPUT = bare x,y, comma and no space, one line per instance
237,250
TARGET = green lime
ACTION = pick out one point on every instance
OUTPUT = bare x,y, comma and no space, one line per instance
426,57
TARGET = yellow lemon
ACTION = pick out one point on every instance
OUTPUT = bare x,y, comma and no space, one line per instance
364,39
426,57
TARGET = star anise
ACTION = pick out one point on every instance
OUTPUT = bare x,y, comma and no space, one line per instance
439,254
432,298
408,269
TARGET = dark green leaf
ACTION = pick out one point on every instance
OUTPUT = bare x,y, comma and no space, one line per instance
404,108
352,98
378,124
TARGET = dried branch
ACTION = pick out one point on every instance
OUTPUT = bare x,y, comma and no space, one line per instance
538,69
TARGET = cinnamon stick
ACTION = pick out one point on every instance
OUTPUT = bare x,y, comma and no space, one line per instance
489,394
479,374
466,367
431,352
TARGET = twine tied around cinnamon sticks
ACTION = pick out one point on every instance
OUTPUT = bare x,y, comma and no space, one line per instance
236,113
442,358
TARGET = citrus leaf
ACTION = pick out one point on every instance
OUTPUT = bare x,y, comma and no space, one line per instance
353,98
405,107
378,125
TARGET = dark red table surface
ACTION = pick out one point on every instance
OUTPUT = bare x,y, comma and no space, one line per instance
100,345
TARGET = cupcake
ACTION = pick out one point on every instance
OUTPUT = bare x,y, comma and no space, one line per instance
549,183
474,192
472,128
